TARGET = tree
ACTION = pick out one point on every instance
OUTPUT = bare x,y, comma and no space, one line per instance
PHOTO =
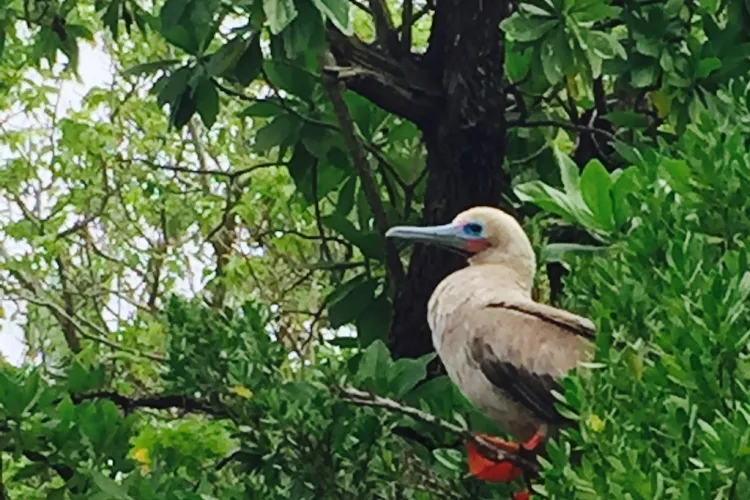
296,132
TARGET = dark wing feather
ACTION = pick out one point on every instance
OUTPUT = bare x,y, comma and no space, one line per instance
532,390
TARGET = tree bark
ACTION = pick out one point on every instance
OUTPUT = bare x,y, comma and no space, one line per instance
465,143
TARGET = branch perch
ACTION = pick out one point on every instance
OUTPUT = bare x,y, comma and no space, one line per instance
485,447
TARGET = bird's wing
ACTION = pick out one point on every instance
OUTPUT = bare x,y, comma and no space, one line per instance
523,347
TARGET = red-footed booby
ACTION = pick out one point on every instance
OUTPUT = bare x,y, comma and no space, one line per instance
503,350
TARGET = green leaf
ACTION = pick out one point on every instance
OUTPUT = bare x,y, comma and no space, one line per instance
624,185
678,173
262,109
349,306
374,322
175,86
227,57
108,486
595,189
569,174
345,201
369,242
280,13
375,362
207,102
517,63
527,29
249,64
406,373
338,12
644,76
554,53
149,67
276,132
708,66
628,118
605,45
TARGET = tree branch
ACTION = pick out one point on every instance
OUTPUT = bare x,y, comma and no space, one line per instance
564,125
400,86
383,23
154,402
485,447
69,329
407,19
369,186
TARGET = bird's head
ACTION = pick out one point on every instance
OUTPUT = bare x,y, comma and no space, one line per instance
485,235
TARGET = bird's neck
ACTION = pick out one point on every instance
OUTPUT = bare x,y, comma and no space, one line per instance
519,273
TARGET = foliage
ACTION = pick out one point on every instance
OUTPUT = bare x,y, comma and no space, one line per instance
193,250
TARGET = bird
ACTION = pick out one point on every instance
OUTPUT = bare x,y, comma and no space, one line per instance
502,349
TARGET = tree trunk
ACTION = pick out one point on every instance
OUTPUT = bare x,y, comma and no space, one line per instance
465,144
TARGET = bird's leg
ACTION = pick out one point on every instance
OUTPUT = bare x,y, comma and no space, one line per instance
534,441
485,469
503,471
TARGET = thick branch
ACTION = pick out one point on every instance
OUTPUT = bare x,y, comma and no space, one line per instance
369,186
401,87
383,23
485,447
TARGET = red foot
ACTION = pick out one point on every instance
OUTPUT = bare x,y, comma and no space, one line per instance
522,495
534,441
485,469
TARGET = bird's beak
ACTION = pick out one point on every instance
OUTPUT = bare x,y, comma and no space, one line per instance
448,235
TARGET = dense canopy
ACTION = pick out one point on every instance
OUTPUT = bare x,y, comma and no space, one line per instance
193,198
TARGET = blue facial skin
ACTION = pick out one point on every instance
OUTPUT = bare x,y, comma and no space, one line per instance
474,229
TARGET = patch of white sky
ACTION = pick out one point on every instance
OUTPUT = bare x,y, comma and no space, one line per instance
95,69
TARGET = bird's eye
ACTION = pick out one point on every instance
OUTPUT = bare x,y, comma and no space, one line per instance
473,229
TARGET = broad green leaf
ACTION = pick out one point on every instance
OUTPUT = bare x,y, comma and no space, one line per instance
368,242
262,109
605,45
250,63
108,486
149,67
345,201
175,86
569,174
279,14
406,373
207,102
708,66
349,306
338,12
595,190
679,174
375,363
276,132
374,322
554,53
227,57
527,29
628,119
624,186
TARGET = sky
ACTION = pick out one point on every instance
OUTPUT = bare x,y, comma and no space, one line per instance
95,69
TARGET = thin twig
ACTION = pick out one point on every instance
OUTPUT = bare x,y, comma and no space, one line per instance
359,160
564,125
219,173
